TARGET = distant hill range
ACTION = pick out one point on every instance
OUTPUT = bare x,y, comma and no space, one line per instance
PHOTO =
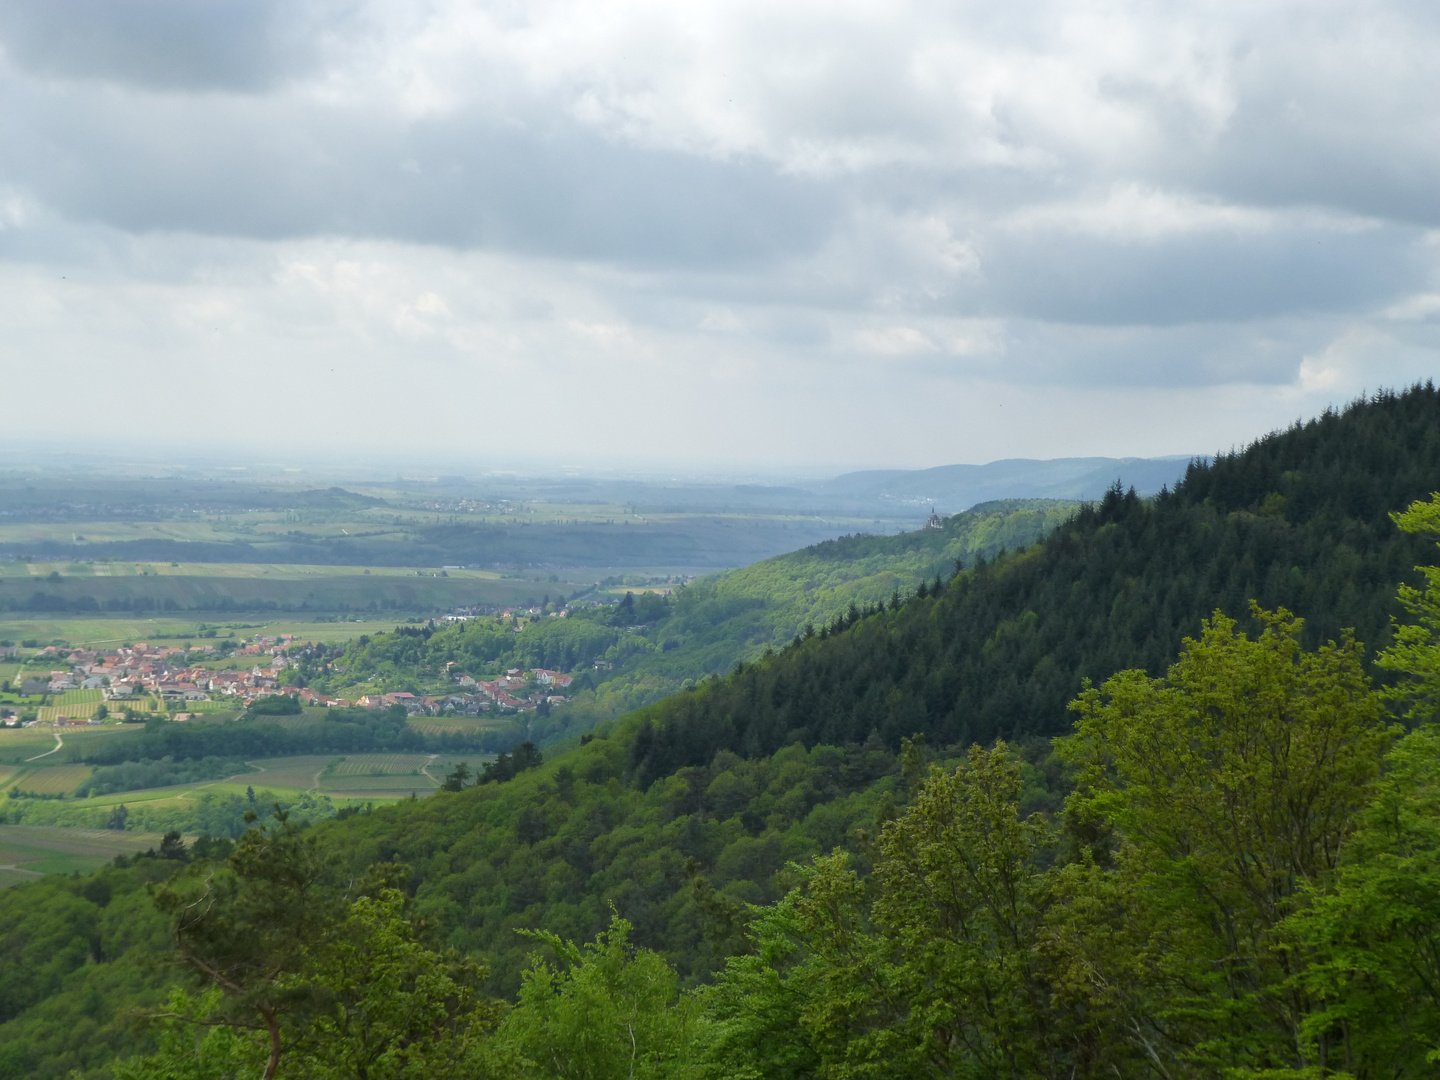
952,488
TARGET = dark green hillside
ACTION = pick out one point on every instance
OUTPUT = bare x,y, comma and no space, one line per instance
683,812
791,753
1297,520
76,956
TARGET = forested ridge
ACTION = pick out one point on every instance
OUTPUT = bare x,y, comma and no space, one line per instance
649,645
1298,520
911,843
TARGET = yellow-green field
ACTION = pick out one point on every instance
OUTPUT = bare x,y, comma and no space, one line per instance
14,569
49,714
54,779
109,632
352,778
18,744
27,851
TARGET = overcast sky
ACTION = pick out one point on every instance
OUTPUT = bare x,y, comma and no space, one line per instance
686,234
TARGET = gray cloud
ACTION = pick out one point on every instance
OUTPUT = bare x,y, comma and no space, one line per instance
246,45
230,169
715,201
1214,276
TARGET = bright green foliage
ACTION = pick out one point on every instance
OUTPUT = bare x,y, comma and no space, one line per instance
1377,930
188,1051
1416,649
388,1008
935,967
754,1010
946,982
603,1011
380,1006
1231,787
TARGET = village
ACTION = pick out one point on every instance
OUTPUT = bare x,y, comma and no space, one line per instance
142,675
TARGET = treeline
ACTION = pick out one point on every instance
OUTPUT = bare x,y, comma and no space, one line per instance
338,731
164,772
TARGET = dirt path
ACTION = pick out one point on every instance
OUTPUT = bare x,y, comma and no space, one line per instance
20,869
59,742
426,769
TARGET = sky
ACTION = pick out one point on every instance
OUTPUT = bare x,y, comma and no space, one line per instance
798,236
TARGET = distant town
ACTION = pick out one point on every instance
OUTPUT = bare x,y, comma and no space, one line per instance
133,679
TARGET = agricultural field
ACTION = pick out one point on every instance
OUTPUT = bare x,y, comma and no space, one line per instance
75,710
106,632
19,744
292,571
386,775
439,725
292,773
27,851
52,779
81,697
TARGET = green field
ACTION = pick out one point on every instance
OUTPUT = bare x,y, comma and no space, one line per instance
26,850
53,779
19,744
297,572
109,632
354,777
81,697
438,725
49,714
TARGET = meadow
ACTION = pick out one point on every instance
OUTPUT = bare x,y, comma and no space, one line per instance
17,745
106,632
48,849
52,779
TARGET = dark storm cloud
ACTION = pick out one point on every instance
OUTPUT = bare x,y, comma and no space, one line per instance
243,45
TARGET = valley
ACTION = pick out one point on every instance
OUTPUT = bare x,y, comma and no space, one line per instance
739,788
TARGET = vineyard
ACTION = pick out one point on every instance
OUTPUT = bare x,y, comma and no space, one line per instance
380,786
380,764
297,773
53,779
49,714
439,725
